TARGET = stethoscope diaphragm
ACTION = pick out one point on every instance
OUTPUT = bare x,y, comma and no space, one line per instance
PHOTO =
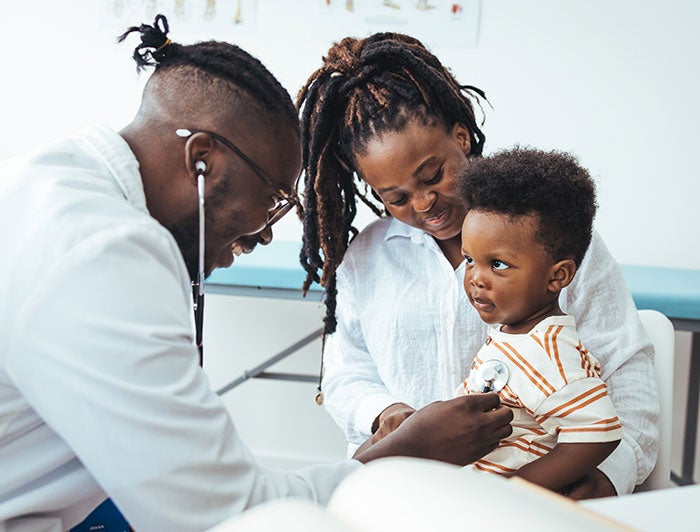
491,376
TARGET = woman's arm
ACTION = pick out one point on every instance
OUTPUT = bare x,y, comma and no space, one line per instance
610,328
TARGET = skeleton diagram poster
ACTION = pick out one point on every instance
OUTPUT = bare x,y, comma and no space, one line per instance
435,22
200,16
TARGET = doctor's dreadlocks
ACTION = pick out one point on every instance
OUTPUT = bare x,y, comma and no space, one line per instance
217,59
365,87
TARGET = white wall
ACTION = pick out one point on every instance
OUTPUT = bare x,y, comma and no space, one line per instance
615,82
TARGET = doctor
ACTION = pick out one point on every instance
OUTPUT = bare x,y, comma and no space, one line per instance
101,393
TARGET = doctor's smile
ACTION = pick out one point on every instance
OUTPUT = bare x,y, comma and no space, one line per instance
237,249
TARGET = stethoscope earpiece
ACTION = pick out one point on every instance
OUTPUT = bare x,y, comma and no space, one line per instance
200,166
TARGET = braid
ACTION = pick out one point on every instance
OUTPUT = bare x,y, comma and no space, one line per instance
365,87
218,59
154,40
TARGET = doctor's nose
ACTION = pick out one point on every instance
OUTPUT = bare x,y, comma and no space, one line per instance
265,236
249,242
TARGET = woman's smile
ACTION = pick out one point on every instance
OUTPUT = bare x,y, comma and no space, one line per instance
438,219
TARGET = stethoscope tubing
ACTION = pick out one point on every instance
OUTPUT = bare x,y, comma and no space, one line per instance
199,296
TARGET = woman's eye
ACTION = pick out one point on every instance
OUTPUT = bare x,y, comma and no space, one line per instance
436,178
498,265
398,202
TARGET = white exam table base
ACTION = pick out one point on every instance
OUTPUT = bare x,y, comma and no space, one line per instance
260,373
280,283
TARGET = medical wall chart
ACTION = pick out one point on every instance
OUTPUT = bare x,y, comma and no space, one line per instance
438,23
199,16
435,22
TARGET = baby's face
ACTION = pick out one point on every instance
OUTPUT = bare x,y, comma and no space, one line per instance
507,272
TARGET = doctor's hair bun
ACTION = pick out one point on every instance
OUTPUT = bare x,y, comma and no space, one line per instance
216,61
155,48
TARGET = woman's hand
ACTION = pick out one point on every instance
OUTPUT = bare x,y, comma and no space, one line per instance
390,419
458,431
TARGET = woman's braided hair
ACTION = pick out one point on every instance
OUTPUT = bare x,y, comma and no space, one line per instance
366,87
218,59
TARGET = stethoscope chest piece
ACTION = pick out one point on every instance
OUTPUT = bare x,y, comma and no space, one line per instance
491,376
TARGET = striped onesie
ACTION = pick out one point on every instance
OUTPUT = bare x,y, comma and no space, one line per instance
554,389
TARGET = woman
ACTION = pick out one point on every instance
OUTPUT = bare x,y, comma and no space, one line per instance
385,109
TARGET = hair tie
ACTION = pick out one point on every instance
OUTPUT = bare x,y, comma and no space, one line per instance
166,43
336,74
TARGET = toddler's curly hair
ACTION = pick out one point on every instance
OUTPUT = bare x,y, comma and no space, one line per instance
550,185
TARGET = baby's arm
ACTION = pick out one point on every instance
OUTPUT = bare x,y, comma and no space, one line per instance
566,463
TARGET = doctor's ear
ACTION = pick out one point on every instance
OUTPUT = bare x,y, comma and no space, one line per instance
562,273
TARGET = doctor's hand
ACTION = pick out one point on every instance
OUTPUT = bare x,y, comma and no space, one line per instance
458,431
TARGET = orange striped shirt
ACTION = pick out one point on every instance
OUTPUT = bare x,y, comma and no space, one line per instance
554,389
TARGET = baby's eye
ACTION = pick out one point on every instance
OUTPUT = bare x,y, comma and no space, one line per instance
469,260
498,265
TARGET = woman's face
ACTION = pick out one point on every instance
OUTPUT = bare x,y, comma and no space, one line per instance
414,172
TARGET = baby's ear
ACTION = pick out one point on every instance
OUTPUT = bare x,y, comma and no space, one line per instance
562,273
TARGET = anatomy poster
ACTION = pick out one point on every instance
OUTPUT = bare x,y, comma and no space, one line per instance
435,22
201,16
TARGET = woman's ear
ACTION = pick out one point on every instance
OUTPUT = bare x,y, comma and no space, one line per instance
460,132
562,273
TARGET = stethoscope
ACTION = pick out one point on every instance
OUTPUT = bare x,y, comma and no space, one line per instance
491,376
198,284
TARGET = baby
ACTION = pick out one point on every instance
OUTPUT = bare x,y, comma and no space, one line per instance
528,225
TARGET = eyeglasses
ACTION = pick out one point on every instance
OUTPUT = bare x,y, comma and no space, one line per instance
284,200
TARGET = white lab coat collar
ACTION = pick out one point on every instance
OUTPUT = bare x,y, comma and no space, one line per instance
115,153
